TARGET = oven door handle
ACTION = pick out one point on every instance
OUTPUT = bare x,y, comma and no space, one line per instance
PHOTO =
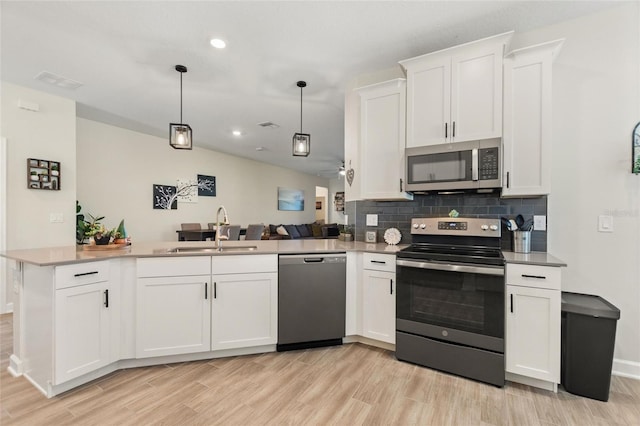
451,267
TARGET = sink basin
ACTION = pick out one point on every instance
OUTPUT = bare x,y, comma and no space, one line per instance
211,249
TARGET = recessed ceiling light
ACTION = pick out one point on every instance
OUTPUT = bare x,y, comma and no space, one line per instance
218,43
260,148
237,133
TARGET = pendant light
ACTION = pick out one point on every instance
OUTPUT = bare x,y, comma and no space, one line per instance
180,136
301,141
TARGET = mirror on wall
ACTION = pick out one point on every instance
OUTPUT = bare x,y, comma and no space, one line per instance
635,150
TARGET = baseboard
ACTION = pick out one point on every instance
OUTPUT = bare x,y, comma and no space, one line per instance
626,368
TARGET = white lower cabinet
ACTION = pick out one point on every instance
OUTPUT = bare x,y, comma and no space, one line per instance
379,297
173,312
82,330
244,310
533,308
173,315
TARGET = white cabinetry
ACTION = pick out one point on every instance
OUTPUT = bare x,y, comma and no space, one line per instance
244,306
382,140
83,313
527,120
173,308
379,297
533,325
455,95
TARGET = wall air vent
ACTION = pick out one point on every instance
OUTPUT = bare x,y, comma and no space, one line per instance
57,80
268,124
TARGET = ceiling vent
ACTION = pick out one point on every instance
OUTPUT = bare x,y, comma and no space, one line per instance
57,80
268,124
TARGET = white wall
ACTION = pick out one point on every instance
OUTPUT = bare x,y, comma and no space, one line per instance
596,101
117,169
49,134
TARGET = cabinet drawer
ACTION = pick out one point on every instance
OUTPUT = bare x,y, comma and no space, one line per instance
244,264
379,262
533,276
81,273
173,266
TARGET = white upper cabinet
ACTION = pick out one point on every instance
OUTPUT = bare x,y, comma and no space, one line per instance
455,95
382,140
527,120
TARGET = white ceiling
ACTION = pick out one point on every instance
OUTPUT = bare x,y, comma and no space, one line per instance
124,53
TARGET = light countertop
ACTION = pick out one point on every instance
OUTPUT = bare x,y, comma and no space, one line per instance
53,256
534,258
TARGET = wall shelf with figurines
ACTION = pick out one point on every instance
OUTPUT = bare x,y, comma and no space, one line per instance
43,174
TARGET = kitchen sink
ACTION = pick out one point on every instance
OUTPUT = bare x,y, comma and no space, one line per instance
211,249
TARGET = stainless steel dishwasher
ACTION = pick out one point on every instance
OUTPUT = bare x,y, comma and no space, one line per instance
311,300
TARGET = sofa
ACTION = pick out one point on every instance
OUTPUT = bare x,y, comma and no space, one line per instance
303,231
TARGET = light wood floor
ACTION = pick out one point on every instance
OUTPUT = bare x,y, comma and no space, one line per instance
348,385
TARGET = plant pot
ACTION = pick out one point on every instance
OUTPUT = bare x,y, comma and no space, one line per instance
102,241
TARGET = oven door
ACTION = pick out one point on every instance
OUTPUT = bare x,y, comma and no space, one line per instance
458,303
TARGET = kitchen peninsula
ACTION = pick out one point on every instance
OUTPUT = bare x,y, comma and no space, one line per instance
80,315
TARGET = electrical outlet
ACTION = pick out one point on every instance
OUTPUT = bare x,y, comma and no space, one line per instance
372,220
605,223
539,223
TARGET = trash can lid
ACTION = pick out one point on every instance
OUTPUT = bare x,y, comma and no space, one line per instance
588,304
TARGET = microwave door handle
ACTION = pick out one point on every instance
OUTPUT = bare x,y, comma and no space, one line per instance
474,164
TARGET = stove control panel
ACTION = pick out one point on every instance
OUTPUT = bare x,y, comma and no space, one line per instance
456,226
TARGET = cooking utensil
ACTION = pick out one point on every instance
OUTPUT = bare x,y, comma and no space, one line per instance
514,227
527,225
520,221
506,223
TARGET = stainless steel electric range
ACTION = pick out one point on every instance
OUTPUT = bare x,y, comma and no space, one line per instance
450,298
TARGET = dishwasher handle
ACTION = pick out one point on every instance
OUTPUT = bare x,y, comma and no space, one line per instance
313,259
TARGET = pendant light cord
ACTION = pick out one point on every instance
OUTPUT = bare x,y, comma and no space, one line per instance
300,109
180,97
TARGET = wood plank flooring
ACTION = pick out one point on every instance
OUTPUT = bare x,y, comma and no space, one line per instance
344,385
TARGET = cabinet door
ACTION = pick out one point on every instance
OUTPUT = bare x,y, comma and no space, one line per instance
476,94
379,307
382,140
82,331
173,315
429,102
244,310
527,121
533,332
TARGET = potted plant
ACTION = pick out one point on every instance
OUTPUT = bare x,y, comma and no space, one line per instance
34,175
84,228
54,170
120,235
346,234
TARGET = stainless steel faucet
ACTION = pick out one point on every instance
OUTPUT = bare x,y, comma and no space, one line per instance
225,221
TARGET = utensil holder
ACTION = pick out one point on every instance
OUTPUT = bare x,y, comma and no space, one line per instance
522,241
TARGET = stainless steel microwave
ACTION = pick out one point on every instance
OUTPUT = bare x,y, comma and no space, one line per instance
455,166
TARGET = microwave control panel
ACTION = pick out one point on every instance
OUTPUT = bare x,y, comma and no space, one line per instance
488,159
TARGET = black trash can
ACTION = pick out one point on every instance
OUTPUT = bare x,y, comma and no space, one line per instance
588,337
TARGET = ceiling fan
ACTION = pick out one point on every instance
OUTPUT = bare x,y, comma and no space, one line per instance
338,171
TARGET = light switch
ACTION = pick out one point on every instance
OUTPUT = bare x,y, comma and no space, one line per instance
539,223
56,218
372,220
605,223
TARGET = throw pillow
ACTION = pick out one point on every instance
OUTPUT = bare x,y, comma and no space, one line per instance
303,231
292,230
281,231
316,230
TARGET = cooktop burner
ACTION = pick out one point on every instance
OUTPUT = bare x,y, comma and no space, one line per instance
461,240
453,253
